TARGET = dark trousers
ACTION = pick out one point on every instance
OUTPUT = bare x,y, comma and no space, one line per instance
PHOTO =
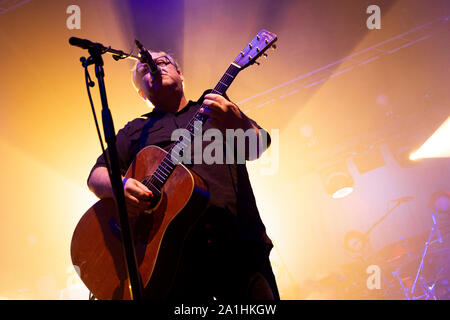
218,264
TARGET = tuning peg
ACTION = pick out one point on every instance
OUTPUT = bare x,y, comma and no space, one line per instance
250,45
257,63
265,55
274,46
258,37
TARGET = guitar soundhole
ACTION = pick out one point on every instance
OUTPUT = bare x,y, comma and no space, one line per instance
149,222
156,199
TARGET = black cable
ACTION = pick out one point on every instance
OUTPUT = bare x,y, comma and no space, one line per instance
90,83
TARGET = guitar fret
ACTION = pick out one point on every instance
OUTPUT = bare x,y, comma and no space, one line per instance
161,168
227,79
163,165
156,183
180,148
168,161
154,180
174,156
170,164
160,173
182,143
177,148
220,90
160,179
184,138
145,182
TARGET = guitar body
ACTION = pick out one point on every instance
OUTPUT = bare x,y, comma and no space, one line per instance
97,249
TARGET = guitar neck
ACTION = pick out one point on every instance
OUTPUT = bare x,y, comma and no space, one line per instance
226,79
162,173
220,89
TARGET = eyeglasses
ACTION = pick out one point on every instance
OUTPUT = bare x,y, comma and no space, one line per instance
162,61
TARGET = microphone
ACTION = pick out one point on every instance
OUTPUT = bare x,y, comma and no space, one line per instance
86,44
146,57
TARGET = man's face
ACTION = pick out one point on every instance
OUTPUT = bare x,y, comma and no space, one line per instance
154,87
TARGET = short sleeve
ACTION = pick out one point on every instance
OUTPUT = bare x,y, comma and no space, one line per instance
123,144
263,132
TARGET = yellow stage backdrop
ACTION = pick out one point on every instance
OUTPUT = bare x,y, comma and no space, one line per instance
306,94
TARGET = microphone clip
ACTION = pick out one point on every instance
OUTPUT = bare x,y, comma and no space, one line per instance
146,57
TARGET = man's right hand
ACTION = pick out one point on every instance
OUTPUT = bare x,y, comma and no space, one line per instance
137,197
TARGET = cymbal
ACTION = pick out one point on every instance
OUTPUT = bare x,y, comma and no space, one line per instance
402,251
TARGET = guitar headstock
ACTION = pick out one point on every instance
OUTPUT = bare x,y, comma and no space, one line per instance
257,47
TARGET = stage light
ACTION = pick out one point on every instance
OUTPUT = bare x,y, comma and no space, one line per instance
337,181
401,150
440,200
436,146
343,192
368,160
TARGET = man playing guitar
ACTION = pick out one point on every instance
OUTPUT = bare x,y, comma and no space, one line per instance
226,253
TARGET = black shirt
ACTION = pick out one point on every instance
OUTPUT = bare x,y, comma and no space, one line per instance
228,184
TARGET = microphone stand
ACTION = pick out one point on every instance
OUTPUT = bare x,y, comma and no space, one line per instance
115,177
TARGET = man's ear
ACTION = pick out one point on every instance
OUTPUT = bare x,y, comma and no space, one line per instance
181,75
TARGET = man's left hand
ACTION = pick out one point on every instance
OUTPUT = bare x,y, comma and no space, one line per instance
223,114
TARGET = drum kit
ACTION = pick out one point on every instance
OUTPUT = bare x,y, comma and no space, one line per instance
412,268
419,267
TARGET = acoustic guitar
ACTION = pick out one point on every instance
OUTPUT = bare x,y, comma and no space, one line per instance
179,199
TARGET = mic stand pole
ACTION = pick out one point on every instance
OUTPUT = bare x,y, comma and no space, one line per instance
383,217
116,180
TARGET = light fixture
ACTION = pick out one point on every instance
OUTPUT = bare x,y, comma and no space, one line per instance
337,181
440,201
368,159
